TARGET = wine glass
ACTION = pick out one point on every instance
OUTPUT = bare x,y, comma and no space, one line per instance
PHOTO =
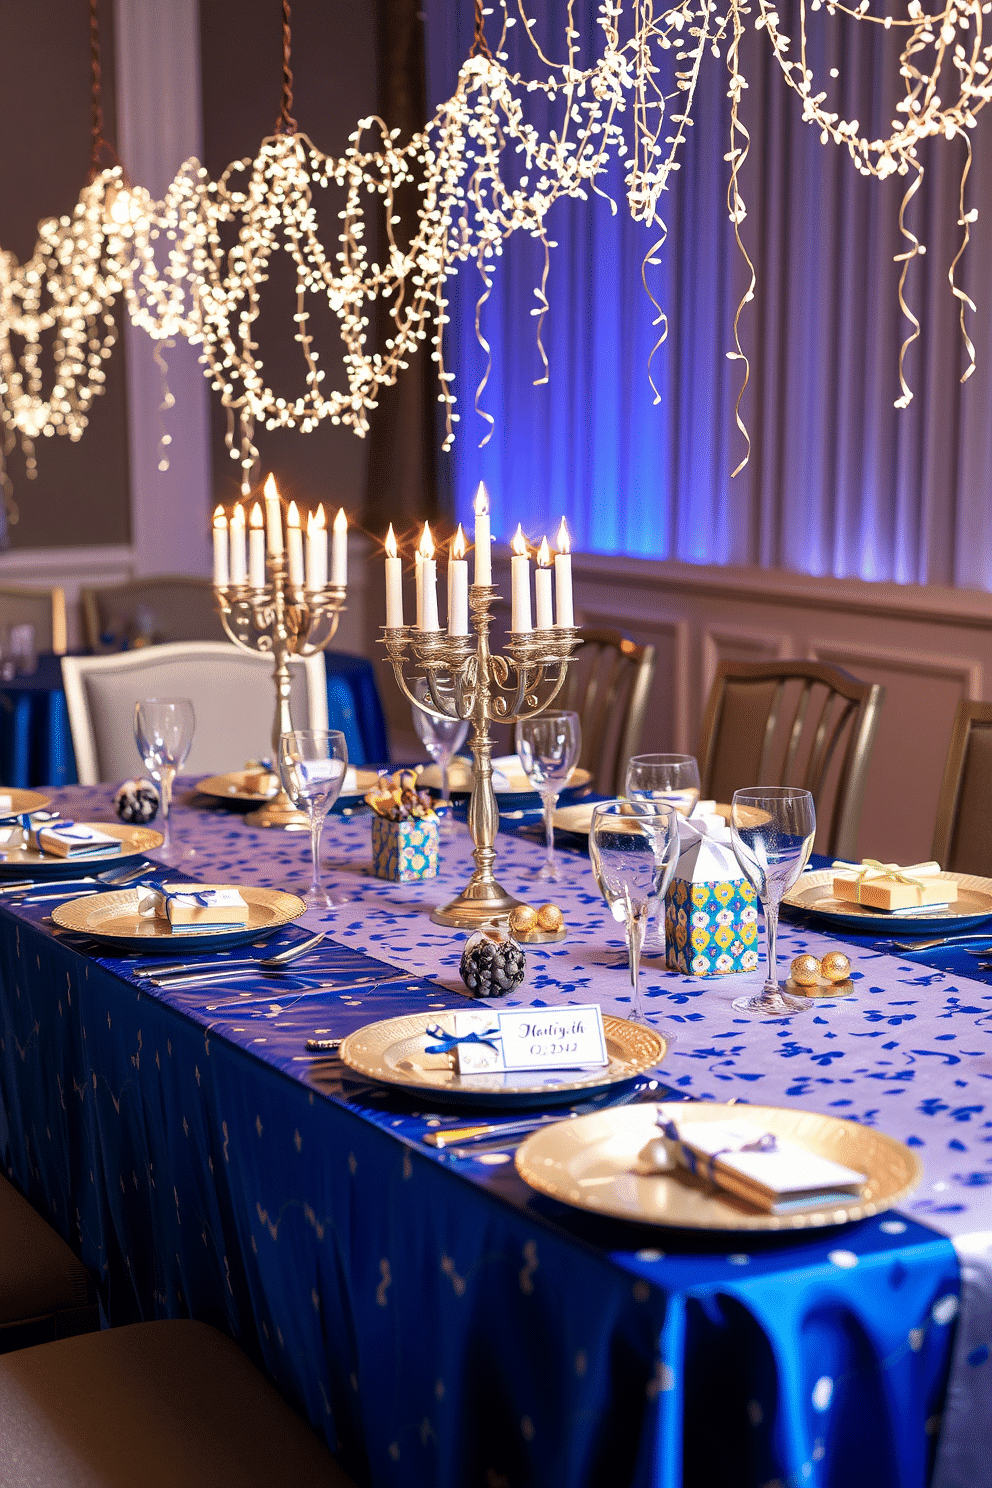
673,778
163,732
442,738
548,748
312,765
772,829
634,846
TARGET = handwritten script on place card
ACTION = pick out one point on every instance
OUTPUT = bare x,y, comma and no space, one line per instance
532,1039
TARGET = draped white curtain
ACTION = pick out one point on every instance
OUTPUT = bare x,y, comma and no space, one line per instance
839,481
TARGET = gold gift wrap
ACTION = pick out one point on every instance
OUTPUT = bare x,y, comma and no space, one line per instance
186,912
886,886
76,840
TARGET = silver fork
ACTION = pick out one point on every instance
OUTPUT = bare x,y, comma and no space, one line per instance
47,888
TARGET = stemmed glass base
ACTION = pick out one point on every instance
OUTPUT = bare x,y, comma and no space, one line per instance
771,1002
549,872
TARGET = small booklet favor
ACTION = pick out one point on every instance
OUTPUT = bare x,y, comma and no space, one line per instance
66,839
484,1042
773,1174
194,908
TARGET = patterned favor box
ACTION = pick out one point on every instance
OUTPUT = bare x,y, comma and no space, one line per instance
711,929
404,851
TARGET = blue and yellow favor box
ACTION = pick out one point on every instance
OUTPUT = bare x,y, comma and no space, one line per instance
711,910
404,851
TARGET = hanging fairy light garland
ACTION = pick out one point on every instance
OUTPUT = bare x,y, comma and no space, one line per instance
483,172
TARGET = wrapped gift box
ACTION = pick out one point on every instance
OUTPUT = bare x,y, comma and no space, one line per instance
711,911
404,851
886,886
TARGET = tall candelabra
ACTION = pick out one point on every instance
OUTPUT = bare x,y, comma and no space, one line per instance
467,680
281,620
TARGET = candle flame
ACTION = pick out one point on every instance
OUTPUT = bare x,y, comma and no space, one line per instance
220,517
270,489
563,539
340,521
238,517
320,521
544,554
481,503
257,520
458,545
391,542
426,548
519,543
292,516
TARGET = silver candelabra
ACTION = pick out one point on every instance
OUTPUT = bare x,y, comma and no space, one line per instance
466,680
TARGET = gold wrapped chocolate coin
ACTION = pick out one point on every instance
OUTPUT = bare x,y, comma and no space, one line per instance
550,918
523,919
835,966
805,971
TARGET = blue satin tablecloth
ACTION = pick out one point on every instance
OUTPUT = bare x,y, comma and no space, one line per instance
442,1324
36,744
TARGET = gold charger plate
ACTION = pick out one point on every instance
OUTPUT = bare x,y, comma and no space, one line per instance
113,917
461,779
813,894
587,1162
231,787
392,1053
21,861
24,800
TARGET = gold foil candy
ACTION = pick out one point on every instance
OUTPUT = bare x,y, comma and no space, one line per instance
550,918
806,971
523,919
836,967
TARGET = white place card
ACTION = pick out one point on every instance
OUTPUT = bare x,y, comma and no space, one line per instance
559,1038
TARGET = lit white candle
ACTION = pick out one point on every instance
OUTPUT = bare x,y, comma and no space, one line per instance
273,516
563,577
483,538
427,583
519,584
294,546
239,557
339,553
222,574
316,550
542,587
394,583
256,549
458,586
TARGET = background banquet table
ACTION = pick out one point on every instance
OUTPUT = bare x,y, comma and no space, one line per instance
438,1320
36,742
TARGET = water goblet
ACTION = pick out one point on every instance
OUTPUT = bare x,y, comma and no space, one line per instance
548,748
442,738
633,846
673,778
312,765
163,732
772,830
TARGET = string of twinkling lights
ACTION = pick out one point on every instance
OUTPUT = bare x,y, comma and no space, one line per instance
195,263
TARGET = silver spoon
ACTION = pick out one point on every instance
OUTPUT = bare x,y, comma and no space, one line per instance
269,963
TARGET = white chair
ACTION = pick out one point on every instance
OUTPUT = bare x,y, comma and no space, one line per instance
232,693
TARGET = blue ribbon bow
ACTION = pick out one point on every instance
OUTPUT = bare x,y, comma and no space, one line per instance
202,899
449,1041
29,821
705,1167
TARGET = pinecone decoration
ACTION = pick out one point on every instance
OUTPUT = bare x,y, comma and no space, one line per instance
137,802
492,964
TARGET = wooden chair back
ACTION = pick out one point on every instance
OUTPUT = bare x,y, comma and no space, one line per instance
800,723
962,841
608,686
42,608
151,611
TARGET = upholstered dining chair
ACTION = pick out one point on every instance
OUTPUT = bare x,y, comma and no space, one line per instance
962,841
160,1404
232,692
801,723
45,1290
42,608
149,612
608,686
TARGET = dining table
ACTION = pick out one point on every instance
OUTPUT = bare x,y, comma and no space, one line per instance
438,1320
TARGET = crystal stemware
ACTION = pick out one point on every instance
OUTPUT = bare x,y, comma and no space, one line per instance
633,846
442,738
548,748
674,779
163,732
772,830
312,765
